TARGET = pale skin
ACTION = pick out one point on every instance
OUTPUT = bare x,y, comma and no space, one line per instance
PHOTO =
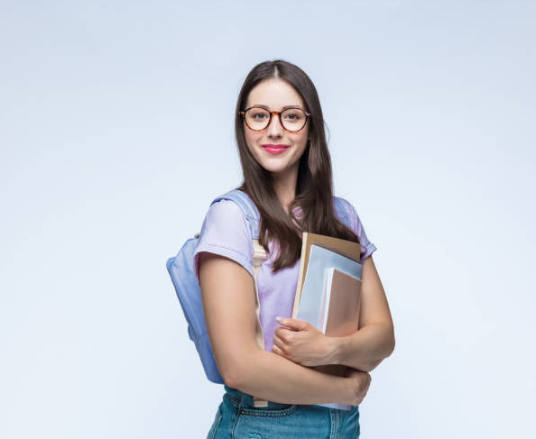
229,301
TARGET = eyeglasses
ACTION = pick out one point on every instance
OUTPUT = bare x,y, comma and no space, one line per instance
258,118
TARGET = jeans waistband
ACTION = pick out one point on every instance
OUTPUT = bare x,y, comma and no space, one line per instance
244,400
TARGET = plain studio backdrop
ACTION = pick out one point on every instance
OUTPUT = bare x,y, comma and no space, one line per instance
116,132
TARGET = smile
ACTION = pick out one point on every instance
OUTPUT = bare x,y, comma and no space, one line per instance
275,149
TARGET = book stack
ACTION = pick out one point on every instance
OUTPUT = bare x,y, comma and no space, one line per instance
328,291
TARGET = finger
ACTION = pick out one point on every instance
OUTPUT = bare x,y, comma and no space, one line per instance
283,334
278,342
277,350
294,324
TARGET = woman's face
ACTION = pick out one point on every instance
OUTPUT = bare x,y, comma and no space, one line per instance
276,94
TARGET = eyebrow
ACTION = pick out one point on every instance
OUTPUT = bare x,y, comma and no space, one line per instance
284,108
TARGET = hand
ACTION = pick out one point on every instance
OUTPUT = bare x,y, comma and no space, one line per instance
301,343
361,381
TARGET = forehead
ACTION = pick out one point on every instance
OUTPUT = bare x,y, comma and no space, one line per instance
274,93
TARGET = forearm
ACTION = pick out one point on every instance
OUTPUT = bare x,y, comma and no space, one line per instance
366,348
274,378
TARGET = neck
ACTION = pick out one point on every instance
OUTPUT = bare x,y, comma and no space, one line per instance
285,187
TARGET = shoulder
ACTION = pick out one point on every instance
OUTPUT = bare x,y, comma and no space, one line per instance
225,210
347,204
225,231
225,220
357,227
350,212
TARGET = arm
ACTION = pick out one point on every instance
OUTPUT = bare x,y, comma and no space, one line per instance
375,340
365,349
229,305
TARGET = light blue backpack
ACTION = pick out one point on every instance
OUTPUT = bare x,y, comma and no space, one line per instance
181,270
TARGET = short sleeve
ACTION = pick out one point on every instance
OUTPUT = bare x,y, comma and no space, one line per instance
225,231
367,247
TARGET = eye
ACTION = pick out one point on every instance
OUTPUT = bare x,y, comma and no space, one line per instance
258,114
293,115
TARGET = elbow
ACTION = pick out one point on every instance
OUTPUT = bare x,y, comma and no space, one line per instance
388,351
230,381
392,344
237,374
232,376
392,348
389,341
371,366
239,364
236,378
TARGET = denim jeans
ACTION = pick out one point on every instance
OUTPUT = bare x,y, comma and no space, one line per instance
238,418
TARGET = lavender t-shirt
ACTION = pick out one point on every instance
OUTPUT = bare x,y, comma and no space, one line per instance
226,232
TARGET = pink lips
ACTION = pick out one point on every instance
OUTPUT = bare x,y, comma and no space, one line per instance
274,149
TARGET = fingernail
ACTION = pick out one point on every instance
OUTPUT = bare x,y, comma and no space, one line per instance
278,319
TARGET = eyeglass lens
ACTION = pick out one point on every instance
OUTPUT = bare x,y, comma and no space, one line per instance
293,119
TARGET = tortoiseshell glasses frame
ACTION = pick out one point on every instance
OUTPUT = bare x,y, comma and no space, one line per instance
278,113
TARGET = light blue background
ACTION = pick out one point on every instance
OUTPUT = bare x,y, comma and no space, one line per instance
116,132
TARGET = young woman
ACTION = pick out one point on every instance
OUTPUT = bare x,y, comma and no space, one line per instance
287,174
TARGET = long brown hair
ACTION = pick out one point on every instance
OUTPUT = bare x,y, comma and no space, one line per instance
314,187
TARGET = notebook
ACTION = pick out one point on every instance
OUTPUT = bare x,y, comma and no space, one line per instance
326,267
340,314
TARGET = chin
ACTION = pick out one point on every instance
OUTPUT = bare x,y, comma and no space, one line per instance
278,171
274,165
273,170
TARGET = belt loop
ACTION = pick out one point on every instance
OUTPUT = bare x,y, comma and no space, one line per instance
258,402
247,400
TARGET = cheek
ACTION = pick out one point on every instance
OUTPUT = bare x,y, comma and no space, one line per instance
301,136
301,140
251,139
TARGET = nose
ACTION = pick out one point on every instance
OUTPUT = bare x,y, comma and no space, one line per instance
274,128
